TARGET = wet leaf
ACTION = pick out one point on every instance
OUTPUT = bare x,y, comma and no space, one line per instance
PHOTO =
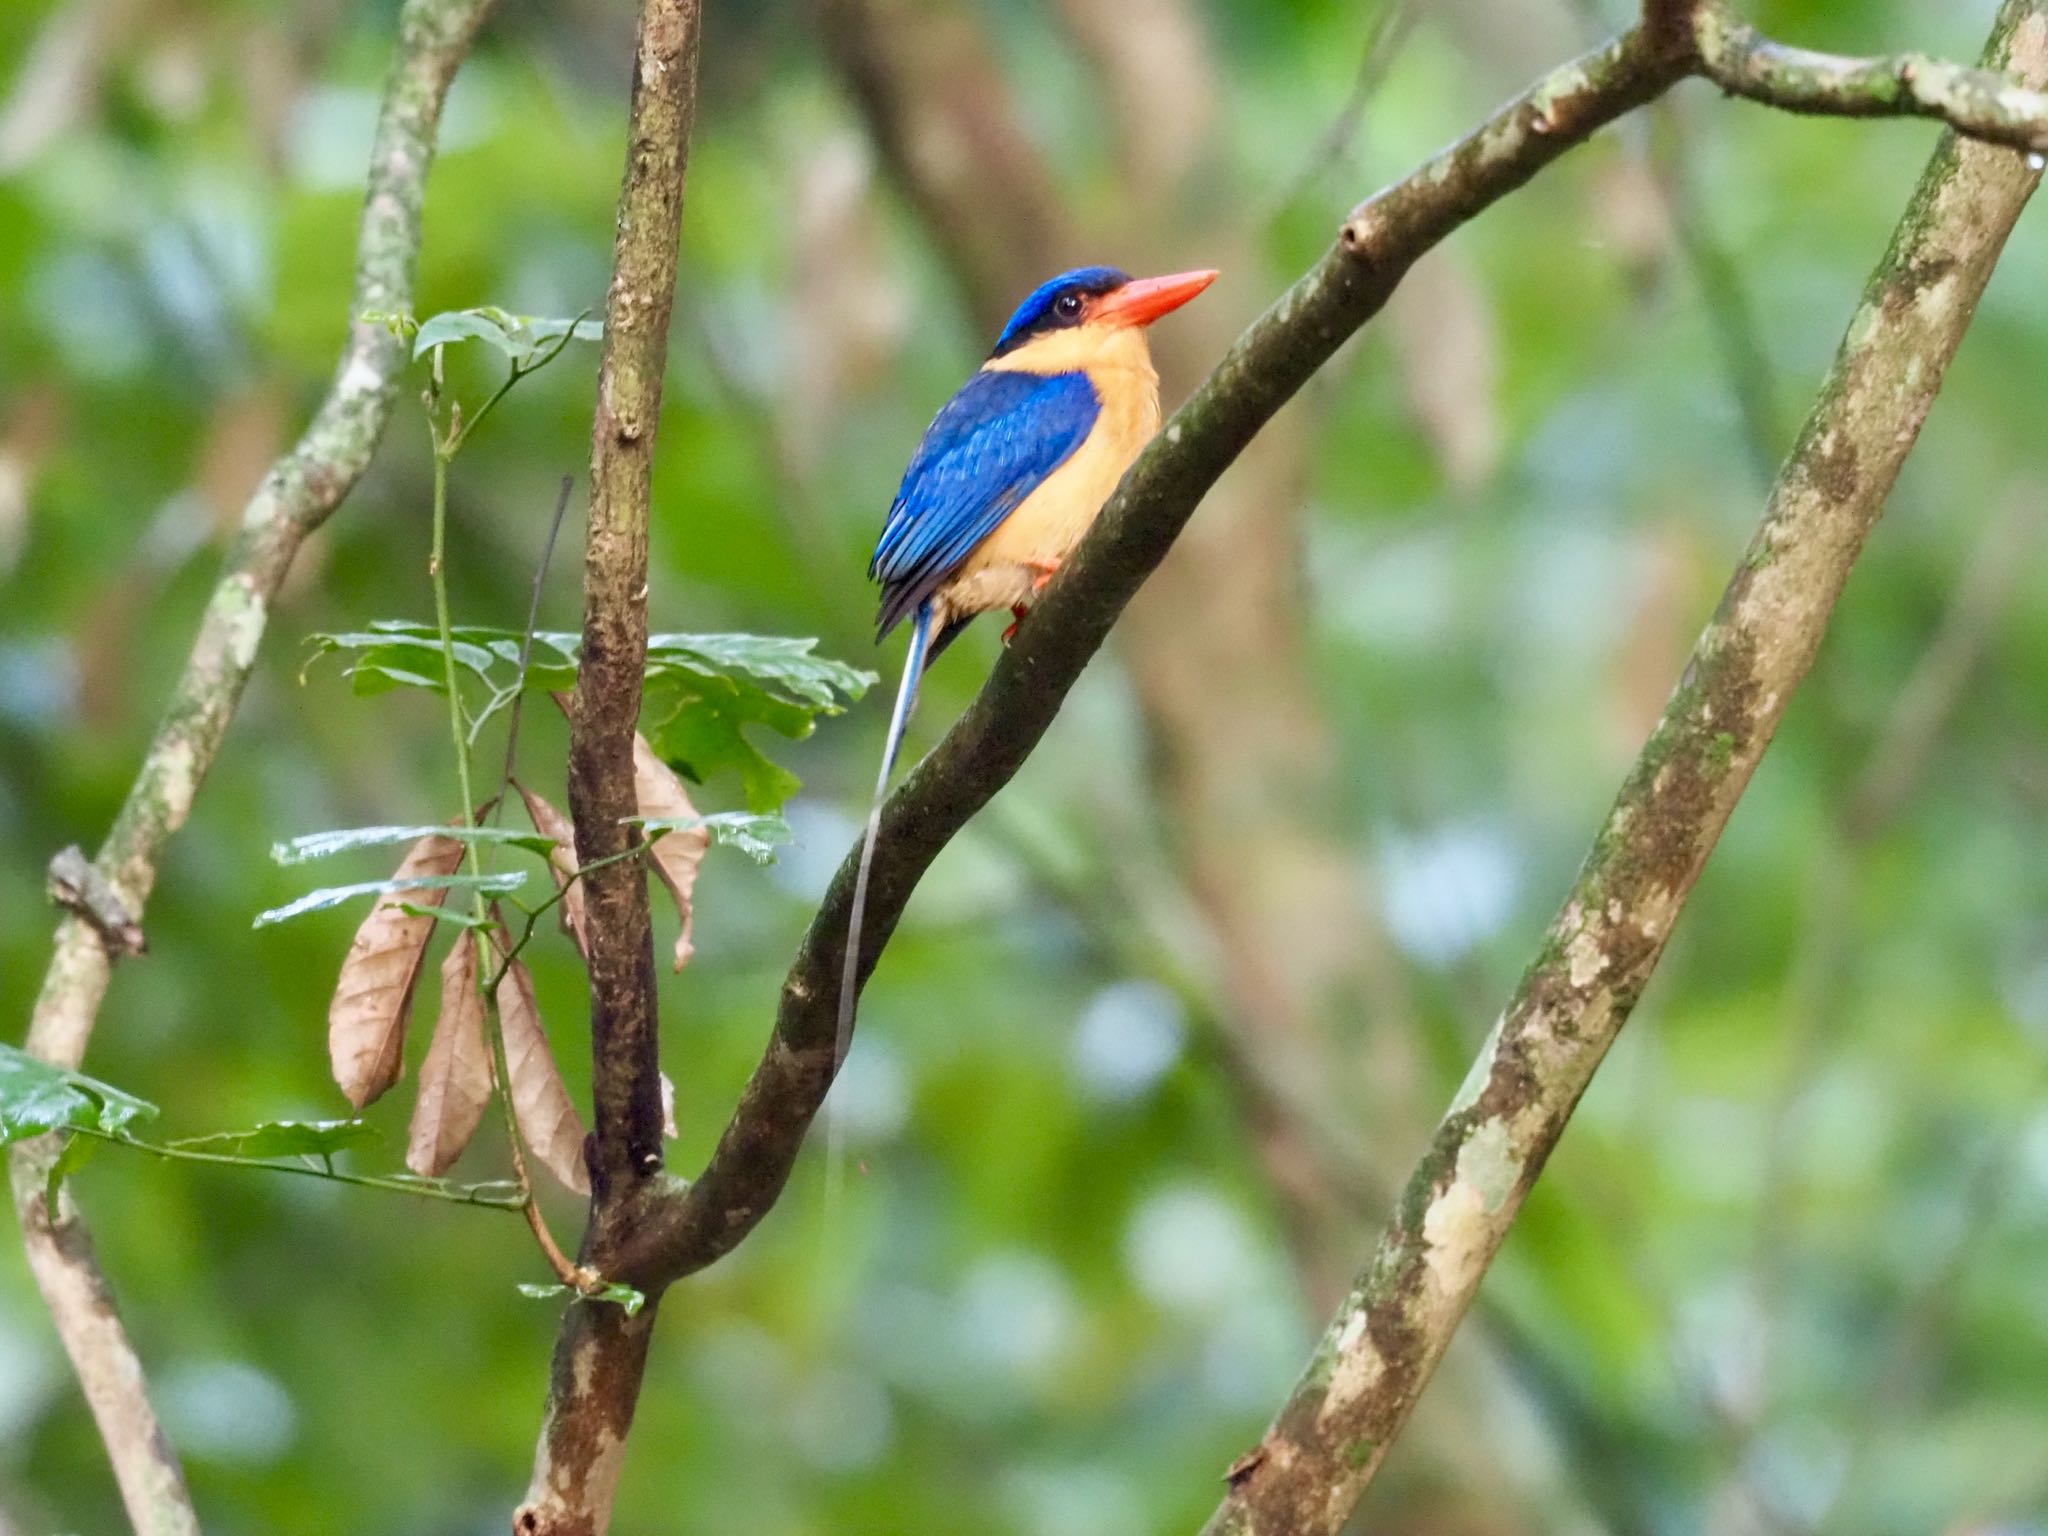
676,855
373,996
36,1097
620,1295
282,1138
319,845
540,1103
455,1079
335,895
756,836
551,823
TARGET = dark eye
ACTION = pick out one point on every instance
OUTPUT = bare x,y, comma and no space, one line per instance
1067,306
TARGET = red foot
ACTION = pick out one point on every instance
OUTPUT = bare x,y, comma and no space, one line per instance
1017,612
1046,569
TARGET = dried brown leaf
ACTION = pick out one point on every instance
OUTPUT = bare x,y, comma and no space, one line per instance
678,854
373,995
455,1079
540,1103
549,822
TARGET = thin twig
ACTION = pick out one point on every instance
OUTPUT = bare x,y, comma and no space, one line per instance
1384,37
458,1194
540,576
301,490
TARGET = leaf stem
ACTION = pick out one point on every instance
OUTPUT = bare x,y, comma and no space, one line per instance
445,449
579,1279
437,567
459,1194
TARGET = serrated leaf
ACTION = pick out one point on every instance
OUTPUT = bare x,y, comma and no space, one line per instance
320,845
621,1295
36,1097
373,994
282,1138
678,854
540,1103
335,895
756,836
455,1079
551,823
703,693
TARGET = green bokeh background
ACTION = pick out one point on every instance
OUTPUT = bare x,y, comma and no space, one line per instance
1785,1273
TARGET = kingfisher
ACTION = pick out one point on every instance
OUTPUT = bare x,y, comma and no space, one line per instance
1009,476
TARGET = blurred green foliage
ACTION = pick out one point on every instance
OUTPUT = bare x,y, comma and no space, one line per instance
1784,1273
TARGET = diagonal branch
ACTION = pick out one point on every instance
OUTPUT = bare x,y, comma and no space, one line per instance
1332,1436
679,1228
694,1227
302,489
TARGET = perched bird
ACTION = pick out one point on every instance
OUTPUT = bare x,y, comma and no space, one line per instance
1010,474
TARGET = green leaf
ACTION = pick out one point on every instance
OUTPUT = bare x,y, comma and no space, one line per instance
319,845
36,1097
757,836
705,737
522,339
281,1138
704,694
623,1295
444,915
458,325
335,895
399,325
76,1150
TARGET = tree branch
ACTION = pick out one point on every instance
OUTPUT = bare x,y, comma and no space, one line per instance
300,492
1986,104
600,1352
691,1227
1333,1434
623,1019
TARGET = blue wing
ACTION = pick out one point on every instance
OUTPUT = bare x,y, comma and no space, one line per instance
991,446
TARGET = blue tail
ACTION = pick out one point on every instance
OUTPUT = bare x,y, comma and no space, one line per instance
906,700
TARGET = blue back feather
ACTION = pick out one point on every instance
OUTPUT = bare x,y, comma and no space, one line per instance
992,445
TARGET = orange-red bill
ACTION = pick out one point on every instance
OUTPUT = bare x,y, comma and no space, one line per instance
1145,299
